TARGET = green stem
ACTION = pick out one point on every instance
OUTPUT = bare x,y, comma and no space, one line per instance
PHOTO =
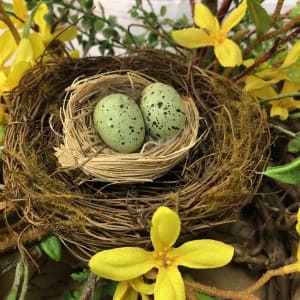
13,294
5,18
295,116
283,130
279,97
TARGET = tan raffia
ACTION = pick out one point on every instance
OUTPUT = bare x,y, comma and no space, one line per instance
84,149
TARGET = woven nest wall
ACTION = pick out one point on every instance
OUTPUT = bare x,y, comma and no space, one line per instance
217,177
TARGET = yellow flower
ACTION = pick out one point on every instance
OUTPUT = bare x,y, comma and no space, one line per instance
257,87
7,39
63,34
19,14
28,50
272,75
129,290
127,263
211,33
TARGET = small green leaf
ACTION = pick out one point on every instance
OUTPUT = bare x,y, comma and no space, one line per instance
295,11
163,11
88,4
52,247
288,173
259,17
294,146
81,276
99,24
293,74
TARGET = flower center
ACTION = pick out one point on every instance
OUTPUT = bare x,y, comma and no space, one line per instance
163,258
218,37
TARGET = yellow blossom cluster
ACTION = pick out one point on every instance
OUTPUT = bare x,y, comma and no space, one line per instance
23,45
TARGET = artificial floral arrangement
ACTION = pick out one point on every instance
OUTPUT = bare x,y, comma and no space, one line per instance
133,162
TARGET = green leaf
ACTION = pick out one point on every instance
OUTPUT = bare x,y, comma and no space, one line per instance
52,247
49,18
12,295
99,24
294,146
293,74
288,173
81,276
259,17
8,7
295,11
88,4
163,11
2,133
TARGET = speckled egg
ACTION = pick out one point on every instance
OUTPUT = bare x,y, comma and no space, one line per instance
163,110
119,122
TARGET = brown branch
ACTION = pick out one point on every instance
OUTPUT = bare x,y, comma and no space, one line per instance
5,18
223,9
192,6
218,292
270,35
10,240
268,55
271,273
277,10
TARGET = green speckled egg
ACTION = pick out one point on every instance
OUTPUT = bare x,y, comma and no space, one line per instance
163,110
119,122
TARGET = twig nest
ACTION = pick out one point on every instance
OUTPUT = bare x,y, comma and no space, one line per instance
163,148
51,146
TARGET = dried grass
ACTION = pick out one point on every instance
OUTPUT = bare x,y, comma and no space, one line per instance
82,147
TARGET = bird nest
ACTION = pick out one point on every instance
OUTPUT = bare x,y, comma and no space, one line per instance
214,178
82,147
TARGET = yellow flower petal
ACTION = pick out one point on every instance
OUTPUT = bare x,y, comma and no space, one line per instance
141,286
228,53
290,87
235,17
205,19
298,256
255,83
37,44
277,110
6,51
121,263
292,56
248,62
16,72
74,54
65,34
298,221
20,11
169,285
24,52
121,290
270,75
192,38
259,87
203,254
125,292
165,228
44,26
